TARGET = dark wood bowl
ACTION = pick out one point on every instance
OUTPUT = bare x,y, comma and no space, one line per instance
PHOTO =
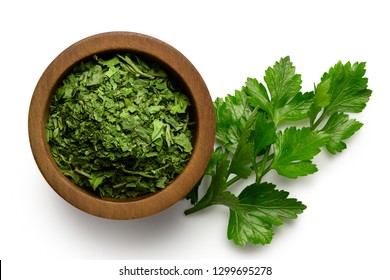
202,112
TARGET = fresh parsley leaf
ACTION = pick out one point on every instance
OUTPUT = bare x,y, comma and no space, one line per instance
264,133
339,127
348,88
296,109
258,95
342,89
231,117
241,158
286,102
282,82
322,95
243,154
294,150
217,156
260,207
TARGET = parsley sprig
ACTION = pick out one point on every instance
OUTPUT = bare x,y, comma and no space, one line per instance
253,138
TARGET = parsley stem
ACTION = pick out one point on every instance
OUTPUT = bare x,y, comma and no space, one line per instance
263,170
266,158
81,172
199,206
232,181
319,120
266,170
256,168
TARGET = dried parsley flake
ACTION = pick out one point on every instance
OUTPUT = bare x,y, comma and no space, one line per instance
119,126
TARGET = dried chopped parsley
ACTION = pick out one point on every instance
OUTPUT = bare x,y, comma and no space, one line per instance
119,126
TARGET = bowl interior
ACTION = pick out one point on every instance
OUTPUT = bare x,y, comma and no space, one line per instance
174,77
179,69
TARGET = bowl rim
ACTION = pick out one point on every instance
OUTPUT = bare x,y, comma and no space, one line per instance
117,41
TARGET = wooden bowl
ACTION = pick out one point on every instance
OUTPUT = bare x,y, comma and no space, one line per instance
177,65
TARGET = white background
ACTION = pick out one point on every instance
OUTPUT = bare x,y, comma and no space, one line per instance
344,231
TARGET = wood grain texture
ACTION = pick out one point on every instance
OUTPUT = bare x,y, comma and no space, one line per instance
177,65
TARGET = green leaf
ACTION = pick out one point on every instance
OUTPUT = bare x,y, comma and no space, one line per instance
158,129
96,181
283,85
231,115
286,102
264,133
339,127
227,198
218,155
297,168
260,207
242,157
180,104
184,141
313,113
257,95
244,153
348,88
296,109
322,97
294,150
282,82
